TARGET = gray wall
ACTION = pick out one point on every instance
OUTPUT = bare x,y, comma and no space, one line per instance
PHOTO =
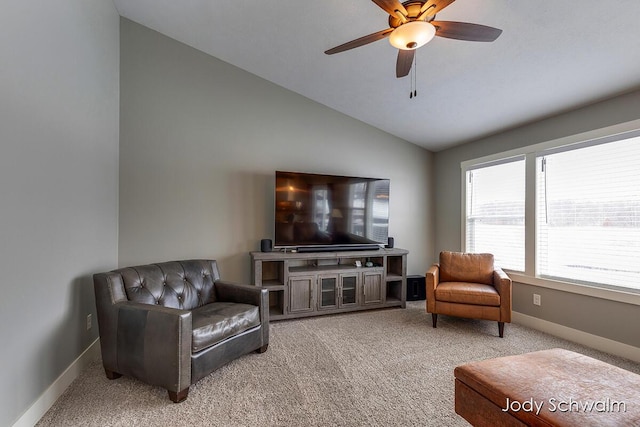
58,185
613,320
201,139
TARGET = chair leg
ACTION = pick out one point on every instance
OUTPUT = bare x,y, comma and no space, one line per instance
112,375
180,396
262,349
501,329
434,319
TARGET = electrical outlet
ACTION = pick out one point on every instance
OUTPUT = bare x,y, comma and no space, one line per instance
536,299
88,321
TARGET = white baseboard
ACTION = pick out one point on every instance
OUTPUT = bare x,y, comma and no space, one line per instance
55,390
594,341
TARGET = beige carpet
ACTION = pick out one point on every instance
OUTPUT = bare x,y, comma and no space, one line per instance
373,368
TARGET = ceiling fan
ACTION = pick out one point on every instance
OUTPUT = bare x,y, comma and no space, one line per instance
412,25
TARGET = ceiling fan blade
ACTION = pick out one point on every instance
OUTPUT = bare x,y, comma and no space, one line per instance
466,31
360,42
390,6
405,60
431,7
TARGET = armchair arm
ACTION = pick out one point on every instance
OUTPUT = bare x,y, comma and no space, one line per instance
109,291
238,292
503,285
246,294
433,279
154,344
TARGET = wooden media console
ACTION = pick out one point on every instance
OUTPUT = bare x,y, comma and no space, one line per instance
316,283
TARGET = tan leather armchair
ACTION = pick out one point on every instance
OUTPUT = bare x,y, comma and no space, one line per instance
469,285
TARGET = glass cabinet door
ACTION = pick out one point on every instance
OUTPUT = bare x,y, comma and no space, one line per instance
328,292
349,289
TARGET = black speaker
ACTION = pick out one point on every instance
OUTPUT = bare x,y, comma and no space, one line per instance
389,243
265,245
416,288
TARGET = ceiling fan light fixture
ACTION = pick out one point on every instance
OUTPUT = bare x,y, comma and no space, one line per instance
412,35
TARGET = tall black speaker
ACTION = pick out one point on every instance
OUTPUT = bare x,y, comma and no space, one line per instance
389,243
416,288
265,245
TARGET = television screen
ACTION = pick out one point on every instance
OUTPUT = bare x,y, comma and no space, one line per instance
327,210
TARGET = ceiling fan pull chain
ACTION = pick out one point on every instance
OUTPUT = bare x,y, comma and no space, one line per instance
413,78
415,75
411,84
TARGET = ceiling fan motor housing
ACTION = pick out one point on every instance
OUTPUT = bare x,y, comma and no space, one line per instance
413,11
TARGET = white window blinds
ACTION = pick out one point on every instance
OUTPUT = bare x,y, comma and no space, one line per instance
588,214
495,209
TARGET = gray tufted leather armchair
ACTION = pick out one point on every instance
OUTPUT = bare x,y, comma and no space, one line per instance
171,324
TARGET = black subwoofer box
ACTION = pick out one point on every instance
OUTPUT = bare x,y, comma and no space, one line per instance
416,288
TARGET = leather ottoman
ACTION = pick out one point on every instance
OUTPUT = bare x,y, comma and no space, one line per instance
547,388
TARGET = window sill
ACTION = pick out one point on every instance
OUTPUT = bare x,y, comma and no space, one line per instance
588,290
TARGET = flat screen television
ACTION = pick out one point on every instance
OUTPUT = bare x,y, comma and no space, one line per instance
329,212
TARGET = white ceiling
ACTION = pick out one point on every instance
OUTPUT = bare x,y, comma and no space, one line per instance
552,56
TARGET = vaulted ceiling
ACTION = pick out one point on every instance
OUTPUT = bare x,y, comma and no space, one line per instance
552,56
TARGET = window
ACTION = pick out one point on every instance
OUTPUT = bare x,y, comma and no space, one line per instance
563,213
588,214
495,209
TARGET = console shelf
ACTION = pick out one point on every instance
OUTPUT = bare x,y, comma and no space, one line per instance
316,283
